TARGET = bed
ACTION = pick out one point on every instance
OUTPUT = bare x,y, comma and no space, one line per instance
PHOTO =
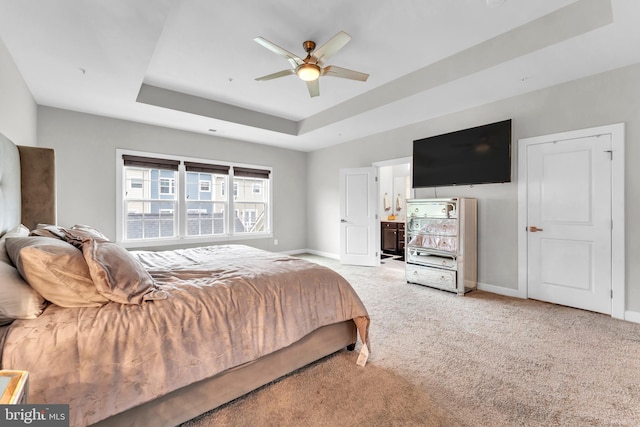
168,335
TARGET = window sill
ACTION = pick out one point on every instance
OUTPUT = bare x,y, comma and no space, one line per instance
202,241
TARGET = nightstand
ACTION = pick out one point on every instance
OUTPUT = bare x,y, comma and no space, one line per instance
14,387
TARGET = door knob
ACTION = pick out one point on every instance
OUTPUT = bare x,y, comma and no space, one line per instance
534,229
343,220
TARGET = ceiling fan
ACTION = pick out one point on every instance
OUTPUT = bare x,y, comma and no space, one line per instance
311,68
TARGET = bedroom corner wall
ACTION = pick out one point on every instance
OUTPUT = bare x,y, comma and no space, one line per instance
18,109
607,98
86,146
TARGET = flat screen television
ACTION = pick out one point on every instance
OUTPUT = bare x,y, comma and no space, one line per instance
479,155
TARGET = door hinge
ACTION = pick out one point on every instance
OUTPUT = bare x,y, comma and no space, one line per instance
376,179
376,216
611,293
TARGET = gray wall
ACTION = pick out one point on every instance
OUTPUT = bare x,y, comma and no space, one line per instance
607,98
18,110
86,169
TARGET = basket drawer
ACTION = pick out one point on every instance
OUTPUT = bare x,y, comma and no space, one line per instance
436,277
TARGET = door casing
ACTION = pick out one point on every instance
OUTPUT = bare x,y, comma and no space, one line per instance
617,201
361,227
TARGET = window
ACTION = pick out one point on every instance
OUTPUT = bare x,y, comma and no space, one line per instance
250,206
170,199
167,185
150,203
205,210
205,186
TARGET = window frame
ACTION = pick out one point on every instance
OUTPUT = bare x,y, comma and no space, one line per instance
180,193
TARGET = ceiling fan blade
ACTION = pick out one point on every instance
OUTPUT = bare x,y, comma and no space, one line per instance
282,73
293,59
344,73
314,88
334,44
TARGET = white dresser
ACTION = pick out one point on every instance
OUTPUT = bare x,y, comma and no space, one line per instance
441,243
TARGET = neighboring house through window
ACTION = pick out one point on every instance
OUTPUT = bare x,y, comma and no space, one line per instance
184,198
167,185
205,186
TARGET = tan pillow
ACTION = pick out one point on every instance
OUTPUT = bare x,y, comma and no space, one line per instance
89,230
18,300
78,234
48,230
55,269
116,274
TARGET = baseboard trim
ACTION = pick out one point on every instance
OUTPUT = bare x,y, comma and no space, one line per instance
320,253
629,316
632,316
294,252
312,252
499,290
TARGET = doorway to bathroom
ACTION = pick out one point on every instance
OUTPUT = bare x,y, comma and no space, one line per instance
394,190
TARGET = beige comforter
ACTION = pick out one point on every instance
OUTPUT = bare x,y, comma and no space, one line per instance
227,305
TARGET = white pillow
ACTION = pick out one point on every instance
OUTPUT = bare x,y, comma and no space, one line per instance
19,231
18,300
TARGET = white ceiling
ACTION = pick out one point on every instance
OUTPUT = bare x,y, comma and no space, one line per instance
191,64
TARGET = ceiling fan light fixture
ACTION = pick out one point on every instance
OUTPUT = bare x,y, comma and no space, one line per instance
308,72
311,68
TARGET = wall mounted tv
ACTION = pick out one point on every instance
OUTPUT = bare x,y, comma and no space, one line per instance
479,155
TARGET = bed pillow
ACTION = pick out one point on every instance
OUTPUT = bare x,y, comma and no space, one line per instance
117,275
78,234
18,300
19,231
55,269
90,231
48,230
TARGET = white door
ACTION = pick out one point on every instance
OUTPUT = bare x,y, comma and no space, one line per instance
569,222
359,226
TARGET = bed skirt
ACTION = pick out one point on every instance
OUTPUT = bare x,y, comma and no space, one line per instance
196,399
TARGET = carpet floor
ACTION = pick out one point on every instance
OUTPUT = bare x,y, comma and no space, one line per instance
438,359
